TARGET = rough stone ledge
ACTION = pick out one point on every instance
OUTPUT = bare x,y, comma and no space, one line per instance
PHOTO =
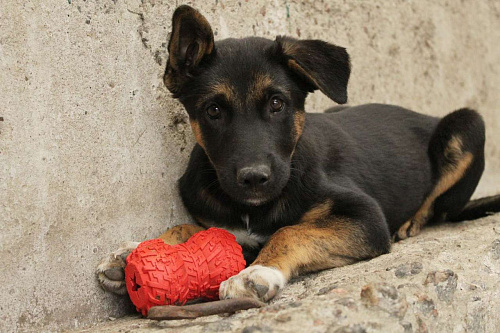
445,280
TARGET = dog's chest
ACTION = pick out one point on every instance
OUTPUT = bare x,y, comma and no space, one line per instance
245,236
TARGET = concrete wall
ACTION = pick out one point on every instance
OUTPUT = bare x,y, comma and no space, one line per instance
91,143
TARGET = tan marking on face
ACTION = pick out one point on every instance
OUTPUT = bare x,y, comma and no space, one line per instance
260,83
225,89
195,126
299,119
221,88
180,233
460,161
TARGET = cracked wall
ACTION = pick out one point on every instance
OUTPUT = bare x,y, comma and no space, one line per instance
91,144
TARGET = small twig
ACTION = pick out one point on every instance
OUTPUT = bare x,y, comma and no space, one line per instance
140,136
203,309
141,15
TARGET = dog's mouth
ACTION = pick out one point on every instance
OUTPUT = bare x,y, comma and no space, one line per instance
255,201
257,198
252,198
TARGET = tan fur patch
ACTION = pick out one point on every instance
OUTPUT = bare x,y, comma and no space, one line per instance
222,88
205,29
180,233
204,49
225,89
260,83
297,68
204,38
299,119
195,126
451,177
317,213
289,48
306,247
459,163
454,148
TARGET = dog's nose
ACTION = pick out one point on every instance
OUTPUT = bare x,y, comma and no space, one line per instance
254,176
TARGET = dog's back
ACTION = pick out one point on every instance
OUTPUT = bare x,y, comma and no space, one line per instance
380,149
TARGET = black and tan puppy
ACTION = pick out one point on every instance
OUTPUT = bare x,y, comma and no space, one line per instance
305,192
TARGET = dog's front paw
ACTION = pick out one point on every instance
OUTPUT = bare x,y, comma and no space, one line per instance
110,271
262,283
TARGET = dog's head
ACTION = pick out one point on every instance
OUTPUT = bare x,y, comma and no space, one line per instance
245,99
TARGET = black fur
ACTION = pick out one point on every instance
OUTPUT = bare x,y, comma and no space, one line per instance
376,163
327,68
371,150
478,208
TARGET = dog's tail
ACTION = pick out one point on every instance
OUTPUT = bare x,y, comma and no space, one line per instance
478,208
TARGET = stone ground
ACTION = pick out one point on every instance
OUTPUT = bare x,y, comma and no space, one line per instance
445,280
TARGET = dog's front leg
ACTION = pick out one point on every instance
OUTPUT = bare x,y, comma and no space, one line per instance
180,233
321,240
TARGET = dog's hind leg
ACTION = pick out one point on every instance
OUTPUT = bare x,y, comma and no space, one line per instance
456,150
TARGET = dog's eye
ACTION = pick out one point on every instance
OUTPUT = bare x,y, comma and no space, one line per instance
276,104
213,111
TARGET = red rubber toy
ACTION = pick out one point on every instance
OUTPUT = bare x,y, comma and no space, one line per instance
161,274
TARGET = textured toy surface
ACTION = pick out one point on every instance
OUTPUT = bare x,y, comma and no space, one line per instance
161,274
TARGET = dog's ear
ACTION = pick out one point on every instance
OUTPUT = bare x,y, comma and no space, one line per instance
318,64
191,41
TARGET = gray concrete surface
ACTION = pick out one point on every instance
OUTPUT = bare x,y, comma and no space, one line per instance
443,280
91,143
